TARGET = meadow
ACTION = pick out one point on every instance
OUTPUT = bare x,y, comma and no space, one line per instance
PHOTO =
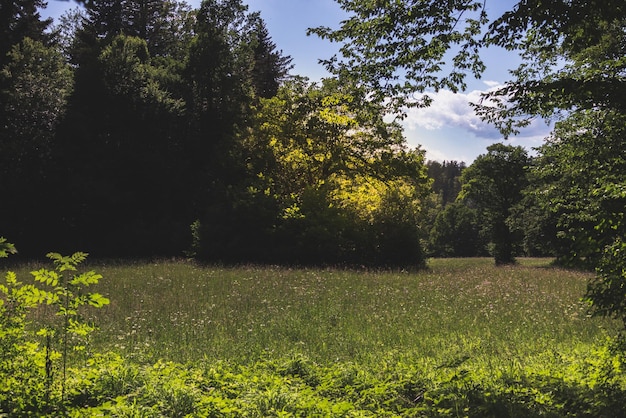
462,338
457,308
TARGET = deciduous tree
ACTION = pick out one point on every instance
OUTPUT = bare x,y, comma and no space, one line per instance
494,184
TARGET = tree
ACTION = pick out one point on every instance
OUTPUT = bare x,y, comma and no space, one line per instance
165,26
218,98
66,28
121,156
494,184
396,49
446,179
19,20
270,66
36,84
329,181
572,61
574,168
456,232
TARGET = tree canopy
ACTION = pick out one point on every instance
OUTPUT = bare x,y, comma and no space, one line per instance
404,50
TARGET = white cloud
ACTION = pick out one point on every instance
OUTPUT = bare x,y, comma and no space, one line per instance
449,129
451,110
493,84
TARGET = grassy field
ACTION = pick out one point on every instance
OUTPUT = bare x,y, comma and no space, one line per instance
462,338
458,308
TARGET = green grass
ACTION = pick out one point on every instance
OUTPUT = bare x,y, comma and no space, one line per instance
463,338
457,308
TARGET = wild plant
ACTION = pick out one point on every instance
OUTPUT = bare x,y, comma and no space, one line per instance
22,354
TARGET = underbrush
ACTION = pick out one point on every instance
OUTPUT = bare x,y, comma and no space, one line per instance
581,383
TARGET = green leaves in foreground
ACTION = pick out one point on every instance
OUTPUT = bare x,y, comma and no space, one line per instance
30,370
581,382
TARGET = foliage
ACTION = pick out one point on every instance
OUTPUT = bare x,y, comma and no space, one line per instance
607,293
494,184
452,229
329,179
297,386
397,49
456,232
578,174
34,85
22,364
271,68
572,61
27,368
446,179
6,248
19,20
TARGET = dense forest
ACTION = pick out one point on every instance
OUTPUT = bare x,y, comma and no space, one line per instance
145,128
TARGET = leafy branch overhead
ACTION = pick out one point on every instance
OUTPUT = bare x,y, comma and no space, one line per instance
397,49
403,50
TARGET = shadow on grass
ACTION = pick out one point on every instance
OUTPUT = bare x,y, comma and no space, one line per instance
529,398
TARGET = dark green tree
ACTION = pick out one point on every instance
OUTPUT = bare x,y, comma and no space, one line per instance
494,184
18,20
271,67
456,232
573,170
121,154
107,19
36,83
446,179
218,97
122,145
165,26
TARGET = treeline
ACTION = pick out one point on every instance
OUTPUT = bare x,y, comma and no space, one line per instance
148,128
567,201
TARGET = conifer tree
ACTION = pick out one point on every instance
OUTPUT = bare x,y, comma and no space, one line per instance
270,66
20,19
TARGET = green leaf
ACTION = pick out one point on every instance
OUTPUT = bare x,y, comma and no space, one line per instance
97,300
6,248
51,278
65,263
86,279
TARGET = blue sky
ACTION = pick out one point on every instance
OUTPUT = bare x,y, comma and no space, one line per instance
448,130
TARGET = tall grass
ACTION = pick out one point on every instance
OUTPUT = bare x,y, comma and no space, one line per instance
457,310
463,338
